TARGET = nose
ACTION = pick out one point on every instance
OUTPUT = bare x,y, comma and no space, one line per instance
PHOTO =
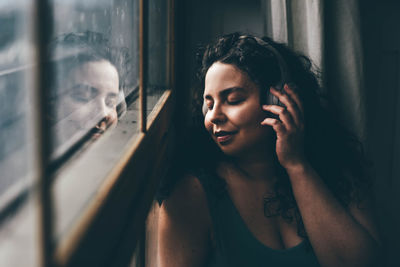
103,112
216,115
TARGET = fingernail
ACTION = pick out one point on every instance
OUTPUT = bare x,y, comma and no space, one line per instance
267,121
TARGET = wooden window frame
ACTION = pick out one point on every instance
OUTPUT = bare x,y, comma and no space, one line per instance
97,238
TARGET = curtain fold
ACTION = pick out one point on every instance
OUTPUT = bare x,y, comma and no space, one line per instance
328,32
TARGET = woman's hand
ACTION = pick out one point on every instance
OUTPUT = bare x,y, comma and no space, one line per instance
289,127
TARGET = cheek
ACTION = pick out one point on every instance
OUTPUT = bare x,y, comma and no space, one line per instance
67,108
207,124
246,116
85,115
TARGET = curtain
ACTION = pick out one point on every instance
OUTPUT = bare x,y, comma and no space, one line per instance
329,33
356,44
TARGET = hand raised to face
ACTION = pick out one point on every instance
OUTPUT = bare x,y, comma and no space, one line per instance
289,127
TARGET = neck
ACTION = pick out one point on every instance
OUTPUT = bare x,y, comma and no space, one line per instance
258,169
255,166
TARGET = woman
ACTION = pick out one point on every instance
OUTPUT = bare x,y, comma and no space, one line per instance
279,183
88,93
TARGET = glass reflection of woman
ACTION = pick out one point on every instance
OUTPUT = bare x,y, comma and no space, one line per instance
269,185
88,95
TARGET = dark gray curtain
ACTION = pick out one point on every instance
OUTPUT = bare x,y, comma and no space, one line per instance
356,44
304,26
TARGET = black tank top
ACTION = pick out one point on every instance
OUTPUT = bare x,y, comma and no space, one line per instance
235,245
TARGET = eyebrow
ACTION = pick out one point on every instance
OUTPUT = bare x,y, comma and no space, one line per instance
226,92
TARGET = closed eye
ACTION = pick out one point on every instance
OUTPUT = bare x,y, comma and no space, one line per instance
235,101
83,93
235,97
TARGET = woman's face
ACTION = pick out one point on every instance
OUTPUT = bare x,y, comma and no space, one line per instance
234,113
89,104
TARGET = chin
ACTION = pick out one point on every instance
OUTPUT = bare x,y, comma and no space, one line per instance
233,151
246,150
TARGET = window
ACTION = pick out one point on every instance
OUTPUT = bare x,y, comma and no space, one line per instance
86,97
16,159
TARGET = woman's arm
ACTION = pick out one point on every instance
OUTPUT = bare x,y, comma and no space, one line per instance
184,226
339,236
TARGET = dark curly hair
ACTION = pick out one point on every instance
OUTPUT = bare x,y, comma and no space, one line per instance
335,153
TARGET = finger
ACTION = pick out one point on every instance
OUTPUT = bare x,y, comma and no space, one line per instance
283,114
291,91
275,124
290,105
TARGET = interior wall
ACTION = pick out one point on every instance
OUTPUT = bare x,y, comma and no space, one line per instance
381,24
205,20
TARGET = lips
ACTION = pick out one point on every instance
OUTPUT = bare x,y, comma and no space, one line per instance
99,129
223,137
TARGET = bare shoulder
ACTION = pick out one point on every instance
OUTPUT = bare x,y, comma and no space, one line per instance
188,199
184,225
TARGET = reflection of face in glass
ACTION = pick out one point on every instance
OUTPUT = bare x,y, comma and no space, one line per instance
90,100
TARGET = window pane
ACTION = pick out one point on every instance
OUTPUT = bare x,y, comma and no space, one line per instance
15,82
157,51
17,221
95,67
95,58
